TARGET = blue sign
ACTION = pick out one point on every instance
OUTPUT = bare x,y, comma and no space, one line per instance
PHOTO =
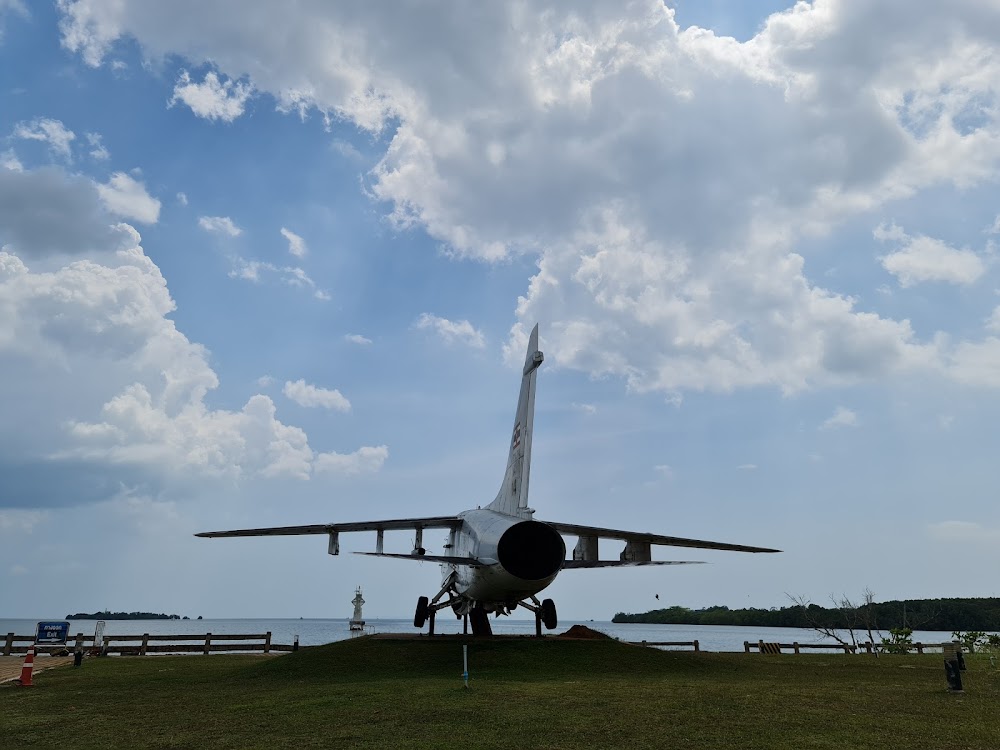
52,632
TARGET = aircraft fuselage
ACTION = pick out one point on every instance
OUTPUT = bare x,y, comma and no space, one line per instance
518,557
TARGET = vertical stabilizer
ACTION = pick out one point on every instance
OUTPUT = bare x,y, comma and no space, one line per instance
513,496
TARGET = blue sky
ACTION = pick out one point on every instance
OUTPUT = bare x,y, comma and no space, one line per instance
266,269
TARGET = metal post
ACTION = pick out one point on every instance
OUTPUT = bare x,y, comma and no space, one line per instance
465,624
465,665
295,645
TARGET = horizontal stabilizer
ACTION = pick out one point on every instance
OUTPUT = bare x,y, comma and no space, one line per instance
624,563
397,524
449,559
639,536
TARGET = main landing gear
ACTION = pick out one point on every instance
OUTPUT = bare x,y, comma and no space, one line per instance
479,617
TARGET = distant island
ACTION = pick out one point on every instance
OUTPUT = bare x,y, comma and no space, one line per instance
124,616
919,614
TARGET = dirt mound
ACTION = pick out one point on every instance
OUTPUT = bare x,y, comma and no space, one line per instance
582,631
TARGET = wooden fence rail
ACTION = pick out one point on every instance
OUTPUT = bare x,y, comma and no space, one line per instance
152,644
776,648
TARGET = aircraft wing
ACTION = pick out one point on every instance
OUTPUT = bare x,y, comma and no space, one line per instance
397,524
472,562
624,563
639,536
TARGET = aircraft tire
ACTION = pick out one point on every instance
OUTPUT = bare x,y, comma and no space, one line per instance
420,616
549,619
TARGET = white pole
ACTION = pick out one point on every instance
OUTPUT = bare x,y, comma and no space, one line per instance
465,665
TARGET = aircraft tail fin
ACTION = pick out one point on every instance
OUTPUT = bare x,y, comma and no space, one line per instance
512,498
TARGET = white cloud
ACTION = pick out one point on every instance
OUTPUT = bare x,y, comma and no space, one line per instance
346,150
666,241
923,258
296,245
265,381
212,99
964,531
219,225
357,338
585,408
308,395
842,417
747,467
109,393
459,331
98,151
182,199
993,322
665,470
127,197
52,132
21,521
365,460
9,161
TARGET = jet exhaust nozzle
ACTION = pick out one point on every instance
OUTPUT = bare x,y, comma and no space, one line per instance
531,550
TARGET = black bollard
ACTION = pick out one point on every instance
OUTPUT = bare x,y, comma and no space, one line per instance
954,676
78,658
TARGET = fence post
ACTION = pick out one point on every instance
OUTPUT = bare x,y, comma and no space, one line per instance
746,647
7,646
145,643
208,642
267,642
795,646
696,646
79,642
760,646
920,648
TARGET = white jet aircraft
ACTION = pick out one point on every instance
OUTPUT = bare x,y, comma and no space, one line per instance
498,557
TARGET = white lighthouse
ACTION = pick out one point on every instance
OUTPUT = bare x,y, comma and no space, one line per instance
358,621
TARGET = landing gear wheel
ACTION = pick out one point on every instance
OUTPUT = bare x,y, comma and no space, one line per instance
420,616
549,618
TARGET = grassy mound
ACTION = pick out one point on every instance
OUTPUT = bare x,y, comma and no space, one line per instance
525,693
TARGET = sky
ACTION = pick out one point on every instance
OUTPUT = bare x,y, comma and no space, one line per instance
263,267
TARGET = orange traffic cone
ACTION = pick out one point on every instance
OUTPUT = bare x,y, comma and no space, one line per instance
28,667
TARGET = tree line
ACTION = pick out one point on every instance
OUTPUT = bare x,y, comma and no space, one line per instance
124,616
918,614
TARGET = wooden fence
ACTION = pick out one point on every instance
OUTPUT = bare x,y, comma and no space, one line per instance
140,645
777,648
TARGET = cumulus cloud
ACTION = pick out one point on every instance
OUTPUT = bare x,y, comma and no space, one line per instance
219,225
357,338
127,197
459,331
921,258
296,245
94,341
842,417
212,99
305,394
665,240
366,460
47,212
51,132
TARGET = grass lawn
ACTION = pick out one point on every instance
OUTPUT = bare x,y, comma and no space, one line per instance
552,693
